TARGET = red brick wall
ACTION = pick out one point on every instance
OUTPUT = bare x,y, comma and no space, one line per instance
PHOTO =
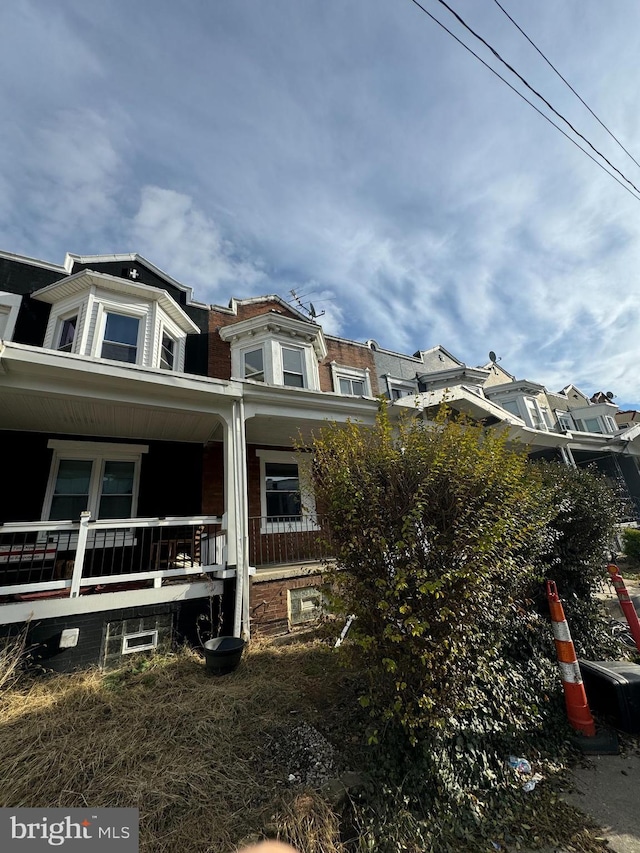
343,352
268,602
347,354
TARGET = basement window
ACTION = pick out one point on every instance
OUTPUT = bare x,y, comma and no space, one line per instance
141,641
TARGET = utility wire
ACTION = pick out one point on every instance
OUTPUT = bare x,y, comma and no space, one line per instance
535,92
524,98
566,82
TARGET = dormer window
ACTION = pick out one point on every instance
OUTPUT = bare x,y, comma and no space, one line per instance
167,354
120,339
96,315
68,333
254,365
276,350
350,381
293,368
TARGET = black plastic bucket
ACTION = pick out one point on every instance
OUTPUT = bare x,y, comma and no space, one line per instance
223,654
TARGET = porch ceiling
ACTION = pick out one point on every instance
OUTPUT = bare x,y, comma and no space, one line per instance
46,412
42,391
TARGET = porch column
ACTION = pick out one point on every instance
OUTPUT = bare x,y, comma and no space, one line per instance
238,527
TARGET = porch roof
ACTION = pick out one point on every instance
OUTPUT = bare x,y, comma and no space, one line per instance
49,391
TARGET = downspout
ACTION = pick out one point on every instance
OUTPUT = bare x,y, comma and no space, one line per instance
241,610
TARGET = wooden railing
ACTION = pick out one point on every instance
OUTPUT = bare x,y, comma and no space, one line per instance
282,540
78,556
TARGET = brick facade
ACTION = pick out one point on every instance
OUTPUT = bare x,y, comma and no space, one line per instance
269,602
345,353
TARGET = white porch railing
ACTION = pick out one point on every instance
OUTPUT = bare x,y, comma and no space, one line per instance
68,558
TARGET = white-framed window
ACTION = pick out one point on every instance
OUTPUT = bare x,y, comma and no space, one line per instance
167,351
120,338
535,415
253,364
565,421
287,504
293,370
350,381
592,425
610,423
99,477
140,641
67,333
9,307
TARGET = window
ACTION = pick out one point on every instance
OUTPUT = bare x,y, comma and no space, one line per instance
286,502
535,416
167,352
352,387
282,488
68,334
254,365
512,407
292,368
350,381
611,424
565,421
120,340
9,308
97,477
141,641
592,425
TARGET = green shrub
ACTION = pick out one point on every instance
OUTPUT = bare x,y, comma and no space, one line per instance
631,541
443,535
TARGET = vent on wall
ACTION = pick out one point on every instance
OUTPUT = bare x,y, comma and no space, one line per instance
305,605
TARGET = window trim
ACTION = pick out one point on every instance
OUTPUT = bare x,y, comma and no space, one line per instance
359,374
139,313
153,633
308,520
11,302
303,365
97,452
243,353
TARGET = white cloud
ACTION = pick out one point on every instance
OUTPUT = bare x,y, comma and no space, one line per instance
169,229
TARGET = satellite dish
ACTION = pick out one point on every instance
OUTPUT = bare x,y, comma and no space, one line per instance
610,395
493,357
312,311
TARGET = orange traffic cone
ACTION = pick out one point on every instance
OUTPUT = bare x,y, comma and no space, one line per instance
574,693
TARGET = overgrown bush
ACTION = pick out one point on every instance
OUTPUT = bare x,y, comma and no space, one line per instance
442,536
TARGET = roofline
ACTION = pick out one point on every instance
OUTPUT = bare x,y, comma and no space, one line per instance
33,262
254,300
71,258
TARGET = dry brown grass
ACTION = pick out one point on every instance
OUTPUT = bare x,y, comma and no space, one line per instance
189,750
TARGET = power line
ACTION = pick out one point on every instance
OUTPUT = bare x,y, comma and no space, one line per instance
524,98
566,82
535,91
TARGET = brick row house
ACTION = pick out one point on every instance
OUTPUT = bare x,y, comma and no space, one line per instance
152,488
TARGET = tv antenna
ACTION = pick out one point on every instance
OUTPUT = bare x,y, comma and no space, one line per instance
309,310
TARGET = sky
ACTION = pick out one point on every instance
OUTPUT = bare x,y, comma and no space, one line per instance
351,151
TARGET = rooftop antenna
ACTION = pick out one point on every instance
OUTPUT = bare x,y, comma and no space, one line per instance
310,310
493,358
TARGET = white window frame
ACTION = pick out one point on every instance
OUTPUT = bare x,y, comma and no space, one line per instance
141,314
143,648
98,452
308,520
534,414
406,389
339,371
9,307
303,364
266,371
60,321
560,415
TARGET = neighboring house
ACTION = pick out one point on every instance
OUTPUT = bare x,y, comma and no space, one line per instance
153,445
